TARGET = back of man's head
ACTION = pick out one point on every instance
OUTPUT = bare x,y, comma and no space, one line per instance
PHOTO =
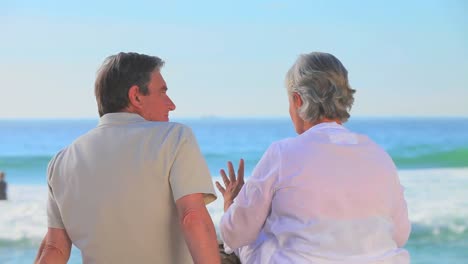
120,72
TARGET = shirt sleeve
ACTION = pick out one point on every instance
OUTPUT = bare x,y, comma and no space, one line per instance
402,223
189,173
54,219
242,222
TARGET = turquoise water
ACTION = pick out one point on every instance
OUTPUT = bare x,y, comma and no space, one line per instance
431,155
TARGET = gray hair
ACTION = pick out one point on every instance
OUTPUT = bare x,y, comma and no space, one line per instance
321,81
120,72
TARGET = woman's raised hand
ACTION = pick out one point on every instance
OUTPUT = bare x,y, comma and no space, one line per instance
232,184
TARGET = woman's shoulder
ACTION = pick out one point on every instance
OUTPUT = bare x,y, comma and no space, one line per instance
284,145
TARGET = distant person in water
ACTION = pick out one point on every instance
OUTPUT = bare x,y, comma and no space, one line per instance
328,195
3,186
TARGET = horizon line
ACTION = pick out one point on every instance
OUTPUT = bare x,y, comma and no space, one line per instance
243,117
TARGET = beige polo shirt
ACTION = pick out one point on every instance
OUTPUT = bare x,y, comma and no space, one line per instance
114,190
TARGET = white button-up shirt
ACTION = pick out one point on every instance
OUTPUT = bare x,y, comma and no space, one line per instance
325,196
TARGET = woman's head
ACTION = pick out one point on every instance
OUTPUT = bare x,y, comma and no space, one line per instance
320,82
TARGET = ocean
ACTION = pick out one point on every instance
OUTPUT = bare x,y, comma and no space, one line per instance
431,155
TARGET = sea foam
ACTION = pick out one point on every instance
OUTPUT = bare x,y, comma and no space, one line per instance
437,202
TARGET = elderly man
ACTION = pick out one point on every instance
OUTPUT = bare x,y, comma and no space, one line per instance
134,189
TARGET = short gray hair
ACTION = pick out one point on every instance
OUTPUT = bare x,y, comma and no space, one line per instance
321,81
120,72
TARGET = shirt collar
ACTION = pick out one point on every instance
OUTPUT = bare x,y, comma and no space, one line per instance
120,118
326,126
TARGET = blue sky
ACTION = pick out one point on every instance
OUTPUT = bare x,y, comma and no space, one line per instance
229,58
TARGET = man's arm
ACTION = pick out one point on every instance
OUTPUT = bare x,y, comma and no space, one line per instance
198,229
55,248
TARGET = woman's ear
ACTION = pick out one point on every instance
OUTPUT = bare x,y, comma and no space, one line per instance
297,100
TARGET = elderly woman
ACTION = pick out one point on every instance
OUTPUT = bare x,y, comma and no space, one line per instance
326,196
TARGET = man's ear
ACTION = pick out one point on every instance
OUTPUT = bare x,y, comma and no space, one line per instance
134,96
297,100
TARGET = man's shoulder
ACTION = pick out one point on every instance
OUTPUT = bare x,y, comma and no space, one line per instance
162,133
53,161
157,130
169,128
166,125
143,127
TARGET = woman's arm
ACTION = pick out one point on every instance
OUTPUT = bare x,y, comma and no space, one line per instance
402,223
246,214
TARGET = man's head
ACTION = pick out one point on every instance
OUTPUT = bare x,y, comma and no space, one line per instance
132,82
2,175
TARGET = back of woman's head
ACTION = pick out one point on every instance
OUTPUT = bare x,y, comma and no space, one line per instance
322,82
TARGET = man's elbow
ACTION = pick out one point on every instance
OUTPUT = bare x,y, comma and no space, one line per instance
54,254
191,218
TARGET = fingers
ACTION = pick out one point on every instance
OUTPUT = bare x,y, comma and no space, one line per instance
232,175
220,188
225,178
240,171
